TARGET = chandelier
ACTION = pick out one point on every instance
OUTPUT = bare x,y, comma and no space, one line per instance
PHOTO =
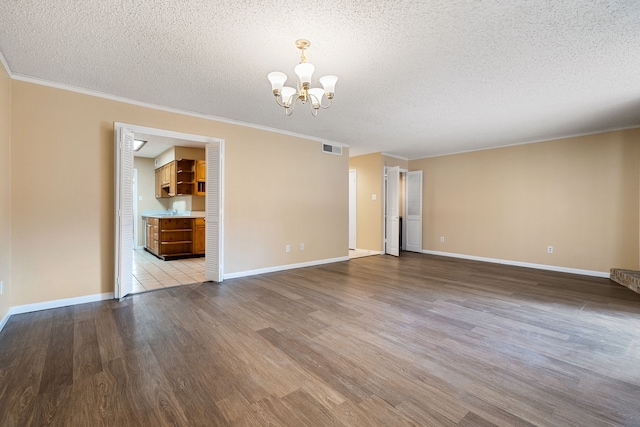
287,96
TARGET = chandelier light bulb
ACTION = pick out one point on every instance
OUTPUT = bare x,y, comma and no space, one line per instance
315,97
304,72
329,85
277,80
287,93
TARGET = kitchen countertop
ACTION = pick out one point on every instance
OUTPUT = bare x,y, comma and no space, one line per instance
168,214
162,216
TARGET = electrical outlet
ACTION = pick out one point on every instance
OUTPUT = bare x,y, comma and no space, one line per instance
442,239
1,287
302,246
550,249
287,248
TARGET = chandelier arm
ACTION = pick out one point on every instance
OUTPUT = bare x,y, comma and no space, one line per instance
279,100
324,107
289,110
314,112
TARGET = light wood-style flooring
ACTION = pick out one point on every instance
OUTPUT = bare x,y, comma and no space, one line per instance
418,340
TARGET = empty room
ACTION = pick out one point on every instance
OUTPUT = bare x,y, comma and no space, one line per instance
320,214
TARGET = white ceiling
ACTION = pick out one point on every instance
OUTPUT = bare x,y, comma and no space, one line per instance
416,78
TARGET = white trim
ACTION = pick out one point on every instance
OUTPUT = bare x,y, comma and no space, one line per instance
4,320
46,305
169,109
593,273
284,267
394,156
557,138
369,251
11,76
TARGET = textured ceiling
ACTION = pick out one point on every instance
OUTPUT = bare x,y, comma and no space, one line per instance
416,78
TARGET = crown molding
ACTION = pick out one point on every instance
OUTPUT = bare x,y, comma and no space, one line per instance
125,100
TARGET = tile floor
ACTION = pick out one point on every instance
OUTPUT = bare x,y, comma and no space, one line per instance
151,273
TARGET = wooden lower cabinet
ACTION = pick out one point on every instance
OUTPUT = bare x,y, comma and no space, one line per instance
199,236
175,237
151,241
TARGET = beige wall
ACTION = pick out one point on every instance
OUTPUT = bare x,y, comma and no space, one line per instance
190,153
370,213
5,191
146,191
579,195
279,190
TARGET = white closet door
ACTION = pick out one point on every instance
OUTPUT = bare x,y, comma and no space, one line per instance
124,211
414,211
392,246
213,201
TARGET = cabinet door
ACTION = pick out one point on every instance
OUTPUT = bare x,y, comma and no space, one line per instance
201,178
199,237
159,183
172,178
148,242
201,170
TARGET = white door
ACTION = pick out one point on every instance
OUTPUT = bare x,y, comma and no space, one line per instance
124,211
213,201
392,229
352,209
413,215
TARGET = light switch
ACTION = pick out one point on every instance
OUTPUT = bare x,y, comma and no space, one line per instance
374,197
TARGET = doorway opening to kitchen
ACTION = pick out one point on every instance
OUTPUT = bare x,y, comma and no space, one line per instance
186,203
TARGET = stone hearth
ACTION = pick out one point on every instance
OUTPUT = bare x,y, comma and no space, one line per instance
628,278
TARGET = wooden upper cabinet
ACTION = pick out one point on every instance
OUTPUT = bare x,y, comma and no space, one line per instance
159,176
178,178
201,170
185,175
172,178
201,177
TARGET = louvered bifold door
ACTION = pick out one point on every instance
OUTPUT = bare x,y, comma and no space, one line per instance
124,212
213,197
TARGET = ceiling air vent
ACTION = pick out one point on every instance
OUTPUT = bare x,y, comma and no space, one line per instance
331,149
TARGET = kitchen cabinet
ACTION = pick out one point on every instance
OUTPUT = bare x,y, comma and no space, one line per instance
201,178
185,177
151,240
165,180
159,176
176,178
199,240
175,237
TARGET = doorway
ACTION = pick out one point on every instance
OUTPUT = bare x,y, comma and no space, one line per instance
214,149
402,210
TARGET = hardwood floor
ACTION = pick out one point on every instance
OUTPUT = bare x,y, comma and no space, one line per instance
376,341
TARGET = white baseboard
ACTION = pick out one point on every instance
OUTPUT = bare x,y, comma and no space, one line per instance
4,320
46,305
370,251
284,267
522,264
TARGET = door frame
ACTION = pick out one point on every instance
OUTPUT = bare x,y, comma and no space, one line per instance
353,213
182,136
